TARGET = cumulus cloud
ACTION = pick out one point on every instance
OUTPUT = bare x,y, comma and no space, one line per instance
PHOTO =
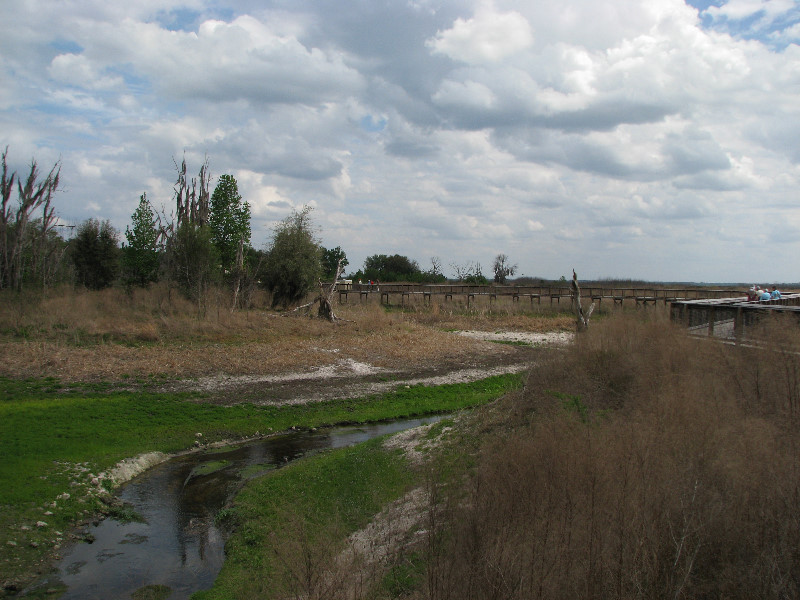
487,37
449,129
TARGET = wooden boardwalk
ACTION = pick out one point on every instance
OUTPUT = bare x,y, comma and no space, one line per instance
730,318
401,293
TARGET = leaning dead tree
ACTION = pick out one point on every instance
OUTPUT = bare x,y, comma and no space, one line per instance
581,316
325,298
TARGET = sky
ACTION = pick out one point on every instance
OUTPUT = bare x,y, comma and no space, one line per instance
635,139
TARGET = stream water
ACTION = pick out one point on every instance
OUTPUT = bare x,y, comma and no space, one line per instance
178,545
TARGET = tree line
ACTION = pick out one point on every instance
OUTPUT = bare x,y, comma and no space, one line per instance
205,241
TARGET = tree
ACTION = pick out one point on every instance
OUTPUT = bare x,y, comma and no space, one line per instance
191,260
330,261
191,256
293,262
471,273
19,230
380,267
140,257
503,268
95,254
229,223
191,197
434,274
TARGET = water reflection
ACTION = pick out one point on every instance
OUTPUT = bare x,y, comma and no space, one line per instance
179,545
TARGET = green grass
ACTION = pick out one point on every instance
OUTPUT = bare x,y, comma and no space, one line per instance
54,437
292,523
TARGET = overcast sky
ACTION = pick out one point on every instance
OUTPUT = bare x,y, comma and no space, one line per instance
652,139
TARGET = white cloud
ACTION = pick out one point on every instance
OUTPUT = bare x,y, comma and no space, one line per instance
620,125
487,37
532,225
77,70
743,9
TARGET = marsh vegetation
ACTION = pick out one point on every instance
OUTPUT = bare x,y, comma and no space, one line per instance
636,462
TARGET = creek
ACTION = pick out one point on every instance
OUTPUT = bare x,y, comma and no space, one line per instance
178,544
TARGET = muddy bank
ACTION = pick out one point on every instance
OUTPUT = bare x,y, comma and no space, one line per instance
350,378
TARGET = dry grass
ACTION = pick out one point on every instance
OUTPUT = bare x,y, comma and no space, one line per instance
503,313
113,335
639,464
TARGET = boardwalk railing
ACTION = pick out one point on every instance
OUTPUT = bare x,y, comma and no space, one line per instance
731,318
551,293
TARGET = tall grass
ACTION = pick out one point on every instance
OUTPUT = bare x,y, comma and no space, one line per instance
79,317
639,464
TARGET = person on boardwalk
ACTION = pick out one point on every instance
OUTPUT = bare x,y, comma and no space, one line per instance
763,295
775,294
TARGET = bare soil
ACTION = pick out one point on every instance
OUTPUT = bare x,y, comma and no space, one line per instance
292,361
348,377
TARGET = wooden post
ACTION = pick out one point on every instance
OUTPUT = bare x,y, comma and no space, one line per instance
738,325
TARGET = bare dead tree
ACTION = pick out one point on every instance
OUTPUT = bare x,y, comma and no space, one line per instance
436,265
192,196
33,195
582,318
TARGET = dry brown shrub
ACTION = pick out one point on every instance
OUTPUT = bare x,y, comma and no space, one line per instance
639,464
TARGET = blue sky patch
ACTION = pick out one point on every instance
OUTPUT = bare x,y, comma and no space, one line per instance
373,125
771,27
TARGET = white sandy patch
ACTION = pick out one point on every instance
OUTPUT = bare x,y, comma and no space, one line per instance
129,468
408,441
343,368
382,535
553,338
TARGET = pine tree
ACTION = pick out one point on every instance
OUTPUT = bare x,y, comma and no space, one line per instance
95,254
140,257
229,224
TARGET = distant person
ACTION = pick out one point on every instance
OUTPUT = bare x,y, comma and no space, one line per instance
763,295
775,294
752,295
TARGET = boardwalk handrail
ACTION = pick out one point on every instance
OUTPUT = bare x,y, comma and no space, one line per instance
555,292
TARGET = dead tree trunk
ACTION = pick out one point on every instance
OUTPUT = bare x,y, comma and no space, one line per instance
326,300
239,273
582,318
192,202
